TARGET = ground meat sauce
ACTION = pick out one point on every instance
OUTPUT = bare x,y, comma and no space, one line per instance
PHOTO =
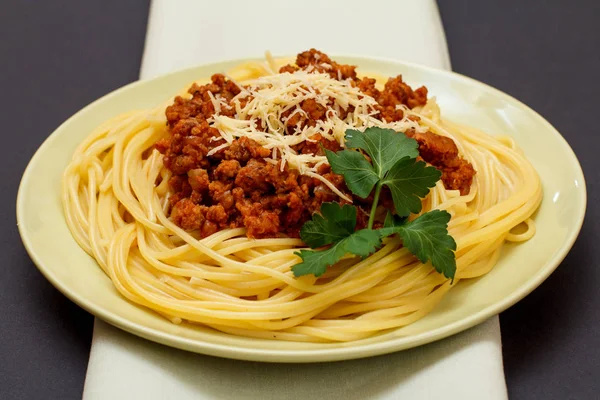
236,187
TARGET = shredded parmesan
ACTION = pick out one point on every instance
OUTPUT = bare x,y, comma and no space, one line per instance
216,104
263,102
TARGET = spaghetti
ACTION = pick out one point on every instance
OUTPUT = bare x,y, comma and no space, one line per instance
116,203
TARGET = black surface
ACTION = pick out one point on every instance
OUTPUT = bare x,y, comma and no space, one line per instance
546,54
58,56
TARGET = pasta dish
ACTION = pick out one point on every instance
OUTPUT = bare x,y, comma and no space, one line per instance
296,200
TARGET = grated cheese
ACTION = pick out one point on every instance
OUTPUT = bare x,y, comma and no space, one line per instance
268,98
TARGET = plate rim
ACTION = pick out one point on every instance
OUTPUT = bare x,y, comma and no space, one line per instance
306,355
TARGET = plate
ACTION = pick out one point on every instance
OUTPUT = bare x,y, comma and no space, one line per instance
521,269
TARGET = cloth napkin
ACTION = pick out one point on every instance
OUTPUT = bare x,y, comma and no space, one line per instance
184,33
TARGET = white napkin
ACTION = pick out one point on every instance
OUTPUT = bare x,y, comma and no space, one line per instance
186,32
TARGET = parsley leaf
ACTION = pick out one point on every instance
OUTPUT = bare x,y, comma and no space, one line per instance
357,171
391,224
427,238
316,262
409,181
384,146
362,243
391,162
334,224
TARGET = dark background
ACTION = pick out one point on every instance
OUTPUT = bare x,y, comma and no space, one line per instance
57,56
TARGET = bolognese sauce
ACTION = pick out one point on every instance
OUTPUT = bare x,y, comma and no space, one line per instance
235,186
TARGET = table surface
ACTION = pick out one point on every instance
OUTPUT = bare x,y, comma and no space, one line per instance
58,56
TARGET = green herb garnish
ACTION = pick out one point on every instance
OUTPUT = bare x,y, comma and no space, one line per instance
427,238
392,162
